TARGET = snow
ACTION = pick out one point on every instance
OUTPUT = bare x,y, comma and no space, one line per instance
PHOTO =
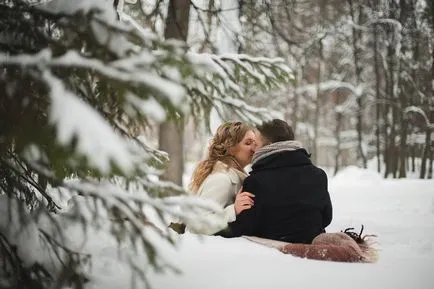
25,237
215,120
332,85
105,26
129,69
74,118
69,7
418,110
229,28
352,175
227,74
399,212
149,107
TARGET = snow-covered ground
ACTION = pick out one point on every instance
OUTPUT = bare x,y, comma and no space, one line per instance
400,212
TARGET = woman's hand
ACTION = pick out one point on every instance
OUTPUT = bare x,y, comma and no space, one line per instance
243,201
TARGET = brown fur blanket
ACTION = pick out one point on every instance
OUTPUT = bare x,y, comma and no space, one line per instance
338,247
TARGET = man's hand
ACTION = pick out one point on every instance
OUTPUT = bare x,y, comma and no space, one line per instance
243,201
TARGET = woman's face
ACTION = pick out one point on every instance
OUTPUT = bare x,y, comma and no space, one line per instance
245,149
260,142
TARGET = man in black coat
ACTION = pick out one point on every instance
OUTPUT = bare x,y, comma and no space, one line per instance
291,202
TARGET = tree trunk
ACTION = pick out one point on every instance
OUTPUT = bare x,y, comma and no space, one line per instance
317,104
358,73
115,5
338,141
430,102
297,81
426,153
377,97
405,11
171,132
413,158
430,161
387,139
392,82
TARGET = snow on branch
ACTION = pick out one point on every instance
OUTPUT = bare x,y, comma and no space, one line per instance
421,112
132,69
390,21
73,118
116,196
90,79
68,7
332,85
224,80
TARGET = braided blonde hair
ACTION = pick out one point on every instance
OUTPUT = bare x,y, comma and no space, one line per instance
228,135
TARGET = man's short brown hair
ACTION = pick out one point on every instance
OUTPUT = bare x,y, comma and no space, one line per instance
276,130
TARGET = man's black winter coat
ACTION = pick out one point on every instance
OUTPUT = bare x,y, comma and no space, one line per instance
291,201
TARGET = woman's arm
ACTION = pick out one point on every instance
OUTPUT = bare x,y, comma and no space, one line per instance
248,220
217,187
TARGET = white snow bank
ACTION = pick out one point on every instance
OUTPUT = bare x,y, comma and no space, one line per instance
399,212
353,174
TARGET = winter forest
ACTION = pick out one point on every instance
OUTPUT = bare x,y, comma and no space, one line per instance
107,105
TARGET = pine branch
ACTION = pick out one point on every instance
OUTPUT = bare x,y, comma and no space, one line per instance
51,204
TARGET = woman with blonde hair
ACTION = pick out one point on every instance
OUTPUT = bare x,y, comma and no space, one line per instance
220,175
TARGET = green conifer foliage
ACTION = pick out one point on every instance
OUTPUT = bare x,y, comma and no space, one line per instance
75,85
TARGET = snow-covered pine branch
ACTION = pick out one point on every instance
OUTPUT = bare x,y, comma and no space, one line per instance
76,83
332,85
232,75
419,111
222,81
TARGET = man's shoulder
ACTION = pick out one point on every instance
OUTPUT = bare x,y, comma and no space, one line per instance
251,181
319,171
253,176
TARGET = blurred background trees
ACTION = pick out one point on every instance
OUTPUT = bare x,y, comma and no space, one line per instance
90,88
363,89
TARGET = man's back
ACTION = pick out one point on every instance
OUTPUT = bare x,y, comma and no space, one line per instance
292,203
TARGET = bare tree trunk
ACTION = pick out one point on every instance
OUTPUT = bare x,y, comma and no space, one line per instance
377,97
392,82
386,112
297,81
240,15
338,141
386,149
171,132
431,100
430,169
413,158
426,153
358,72
115,5
317,103
403,100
